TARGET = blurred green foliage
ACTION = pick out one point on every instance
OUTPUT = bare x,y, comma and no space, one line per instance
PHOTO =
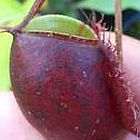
107,6
10,10
5,43
15,10
134,30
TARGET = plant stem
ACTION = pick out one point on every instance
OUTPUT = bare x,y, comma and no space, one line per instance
118,29
33,11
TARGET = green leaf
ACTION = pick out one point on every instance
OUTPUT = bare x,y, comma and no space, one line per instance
27,5
5,43
107,6
11,12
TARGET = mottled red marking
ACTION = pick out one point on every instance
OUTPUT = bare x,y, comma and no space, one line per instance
67,88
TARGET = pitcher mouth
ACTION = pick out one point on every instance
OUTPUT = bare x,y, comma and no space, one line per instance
61,36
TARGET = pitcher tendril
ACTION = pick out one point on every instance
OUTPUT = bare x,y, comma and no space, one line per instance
33,11
118,29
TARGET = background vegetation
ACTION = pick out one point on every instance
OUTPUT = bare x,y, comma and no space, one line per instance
12,11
